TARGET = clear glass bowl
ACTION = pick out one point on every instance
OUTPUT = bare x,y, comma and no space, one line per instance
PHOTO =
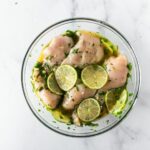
33,52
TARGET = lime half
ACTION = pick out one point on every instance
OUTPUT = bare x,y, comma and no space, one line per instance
52,85
94,76
88,110
116,102
66,77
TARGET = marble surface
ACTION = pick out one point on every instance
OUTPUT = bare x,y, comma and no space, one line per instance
20,22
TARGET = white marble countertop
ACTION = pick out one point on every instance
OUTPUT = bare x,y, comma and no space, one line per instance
20,22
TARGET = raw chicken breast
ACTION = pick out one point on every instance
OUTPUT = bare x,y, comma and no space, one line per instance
88,50
117,71
57,50
37,80
76,95
49,98
76,119
45,95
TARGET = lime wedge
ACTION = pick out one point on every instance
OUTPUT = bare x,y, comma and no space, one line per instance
60,116
52,85
88,110
66,77
94,76
116,102
109,47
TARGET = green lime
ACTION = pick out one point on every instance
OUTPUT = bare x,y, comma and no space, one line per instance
94,76
66,77
88,110
60,116
115,101
52,85
109,47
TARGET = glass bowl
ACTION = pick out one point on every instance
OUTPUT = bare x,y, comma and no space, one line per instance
105,123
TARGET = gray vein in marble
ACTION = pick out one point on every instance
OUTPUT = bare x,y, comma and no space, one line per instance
106,16
89,144
129,132
118,140
74,5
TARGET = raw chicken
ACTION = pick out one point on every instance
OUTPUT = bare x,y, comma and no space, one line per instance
37,80
45,95
88,50
76,119
57,50
49,98
76,95
117,72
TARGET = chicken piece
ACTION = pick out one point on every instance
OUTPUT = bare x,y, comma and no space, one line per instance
57,50
117,72
76,95
49,98
37,81
88,50
45,95
76,119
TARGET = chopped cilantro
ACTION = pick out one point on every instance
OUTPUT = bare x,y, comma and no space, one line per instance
38,65
129,66
91,124
130,103
49,57
71,34
107,121
54,121
129,75
130,94
66,54
75,51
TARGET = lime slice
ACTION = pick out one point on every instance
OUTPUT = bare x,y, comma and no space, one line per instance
109,47
52,85
88,110
116,102
94,76
66,77
60,116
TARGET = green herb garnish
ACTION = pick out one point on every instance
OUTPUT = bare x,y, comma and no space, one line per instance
91,124
38,65
71,34
75,51
66,54
129,66
130,94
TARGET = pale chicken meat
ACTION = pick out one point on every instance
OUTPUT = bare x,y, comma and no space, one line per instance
49,98
117,72
76,95
37,80
76,119
57,50
88,50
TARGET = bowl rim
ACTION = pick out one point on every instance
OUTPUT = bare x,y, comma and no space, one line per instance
81,19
